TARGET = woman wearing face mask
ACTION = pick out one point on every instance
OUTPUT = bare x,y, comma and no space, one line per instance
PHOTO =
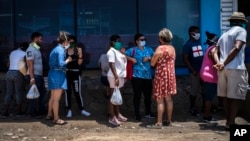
192,58
142,75
116,76
73,75
56,77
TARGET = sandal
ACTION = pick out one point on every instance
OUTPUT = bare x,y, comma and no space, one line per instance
155,126
49,118
59,122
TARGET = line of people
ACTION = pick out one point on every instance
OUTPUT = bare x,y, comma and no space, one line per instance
58,80
153,73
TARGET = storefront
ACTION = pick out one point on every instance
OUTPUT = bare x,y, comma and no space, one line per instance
94,21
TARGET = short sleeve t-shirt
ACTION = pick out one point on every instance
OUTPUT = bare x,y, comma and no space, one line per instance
141,69
226,44
15,57
34,54
103,61
195,54
120,61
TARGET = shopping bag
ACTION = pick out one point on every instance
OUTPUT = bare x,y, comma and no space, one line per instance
33,92
116,97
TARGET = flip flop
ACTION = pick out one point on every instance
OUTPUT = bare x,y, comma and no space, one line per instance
59,122
49,118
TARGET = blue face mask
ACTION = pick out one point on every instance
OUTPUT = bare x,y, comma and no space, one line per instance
117,45
244,25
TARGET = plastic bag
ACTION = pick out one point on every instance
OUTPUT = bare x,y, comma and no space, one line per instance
33,92
116,98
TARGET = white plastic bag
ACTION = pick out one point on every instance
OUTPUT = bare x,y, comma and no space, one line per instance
33,92
116,98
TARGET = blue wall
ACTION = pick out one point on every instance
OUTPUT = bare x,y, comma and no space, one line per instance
209,17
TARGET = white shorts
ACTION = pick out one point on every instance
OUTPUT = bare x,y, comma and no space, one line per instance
112,82
232,83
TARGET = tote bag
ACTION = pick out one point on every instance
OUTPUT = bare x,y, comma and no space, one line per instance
129,67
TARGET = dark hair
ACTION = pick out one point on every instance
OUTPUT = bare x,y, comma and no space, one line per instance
192,29
72,37
137,36
24,46
35,35
113,38
211,38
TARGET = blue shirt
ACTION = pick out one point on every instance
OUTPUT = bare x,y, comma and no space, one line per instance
195,54
57,58
141,69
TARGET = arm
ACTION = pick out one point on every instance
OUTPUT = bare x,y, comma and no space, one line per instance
113,69
30,64
129,58
236,49
156,56
187,63
80,56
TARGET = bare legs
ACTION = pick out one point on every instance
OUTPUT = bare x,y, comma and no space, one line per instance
160,109
54,103
231,107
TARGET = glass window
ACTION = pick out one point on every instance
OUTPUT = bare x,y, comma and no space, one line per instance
98,20
6,32
47,17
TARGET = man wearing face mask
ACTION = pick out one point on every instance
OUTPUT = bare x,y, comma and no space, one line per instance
232,74
192,58
142,75
35,74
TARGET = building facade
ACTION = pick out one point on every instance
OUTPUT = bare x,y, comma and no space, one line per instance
94,21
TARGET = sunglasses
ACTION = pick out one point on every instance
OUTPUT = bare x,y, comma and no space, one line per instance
142,39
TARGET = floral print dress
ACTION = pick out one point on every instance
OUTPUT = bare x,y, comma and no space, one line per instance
164,80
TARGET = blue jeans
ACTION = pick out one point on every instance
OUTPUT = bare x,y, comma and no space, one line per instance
14,83
37,106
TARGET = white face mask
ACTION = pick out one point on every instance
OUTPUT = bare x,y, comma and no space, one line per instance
142,43
196,36
66,47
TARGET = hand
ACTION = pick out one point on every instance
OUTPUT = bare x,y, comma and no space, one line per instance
134,60
32,81
79,52
117,81
145,59
69,59
194,73
219,66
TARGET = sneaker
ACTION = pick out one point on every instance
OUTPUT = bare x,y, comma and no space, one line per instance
20,114
155,126
194,112
69,114
150,116
85,113
120,117
209,119
114,121
4,115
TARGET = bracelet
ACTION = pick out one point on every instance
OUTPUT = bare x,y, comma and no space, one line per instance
32,79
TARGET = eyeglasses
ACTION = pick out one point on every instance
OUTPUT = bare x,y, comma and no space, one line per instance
142,39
